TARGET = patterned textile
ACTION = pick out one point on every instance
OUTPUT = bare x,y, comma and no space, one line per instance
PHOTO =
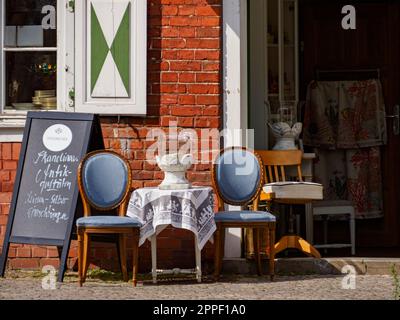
190,209
345,121
345,115
354,175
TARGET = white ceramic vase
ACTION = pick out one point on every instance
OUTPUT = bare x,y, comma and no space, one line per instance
174,167
285,135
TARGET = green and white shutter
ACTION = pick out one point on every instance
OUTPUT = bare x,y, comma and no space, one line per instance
111,56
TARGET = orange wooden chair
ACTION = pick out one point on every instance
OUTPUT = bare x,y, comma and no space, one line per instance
277,163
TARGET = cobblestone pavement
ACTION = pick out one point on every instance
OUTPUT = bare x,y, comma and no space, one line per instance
235,287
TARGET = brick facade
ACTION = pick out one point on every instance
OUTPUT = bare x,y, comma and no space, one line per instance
184,85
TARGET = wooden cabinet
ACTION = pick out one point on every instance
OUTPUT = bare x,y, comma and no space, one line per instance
274,63
282,50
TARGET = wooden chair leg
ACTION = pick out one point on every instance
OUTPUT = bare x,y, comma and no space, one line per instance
222,250
135,256
271,233
249,234
256,232
122,257
307,248
118,250
80,255
217,246
86,253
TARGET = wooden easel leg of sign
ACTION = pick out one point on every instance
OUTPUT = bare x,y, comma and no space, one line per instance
3,258
63,253
63,264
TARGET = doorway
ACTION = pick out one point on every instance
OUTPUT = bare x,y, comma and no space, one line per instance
323,44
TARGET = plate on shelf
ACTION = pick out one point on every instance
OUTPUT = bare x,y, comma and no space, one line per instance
49,99
45,93
23,106
48,106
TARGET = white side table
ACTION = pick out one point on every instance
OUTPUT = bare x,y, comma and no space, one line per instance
190,209
337,208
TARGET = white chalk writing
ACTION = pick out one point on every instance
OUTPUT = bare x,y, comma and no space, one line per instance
48,213
45,158
54,177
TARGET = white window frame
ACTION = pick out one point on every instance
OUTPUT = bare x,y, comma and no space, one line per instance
137,104
12,118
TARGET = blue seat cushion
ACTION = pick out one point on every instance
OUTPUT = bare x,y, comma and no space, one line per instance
108,222
244,216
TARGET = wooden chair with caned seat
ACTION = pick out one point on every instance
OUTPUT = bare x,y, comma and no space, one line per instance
104,180
280,190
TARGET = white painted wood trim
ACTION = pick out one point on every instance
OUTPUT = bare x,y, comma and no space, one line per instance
11,134
235,90
61,53
69,61
2,57
31,49
137,105
235,66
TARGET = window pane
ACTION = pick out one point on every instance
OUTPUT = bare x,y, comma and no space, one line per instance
31,80
30,23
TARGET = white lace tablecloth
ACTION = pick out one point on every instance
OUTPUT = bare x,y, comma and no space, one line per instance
190,209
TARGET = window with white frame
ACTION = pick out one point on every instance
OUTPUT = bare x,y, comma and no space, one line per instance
83,56
29,68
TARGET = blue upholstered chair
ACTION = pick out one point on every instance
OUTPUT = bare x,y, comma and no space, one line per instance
104,179
238,177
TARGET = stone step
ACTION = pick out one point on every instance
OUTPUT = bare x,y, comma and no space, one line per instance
300,266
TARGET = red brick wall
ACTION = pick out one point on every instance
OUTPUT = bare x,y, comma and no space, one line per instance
184,85
9,153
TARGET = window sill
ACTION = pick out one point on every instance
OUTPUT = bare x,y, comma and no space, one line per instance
12,127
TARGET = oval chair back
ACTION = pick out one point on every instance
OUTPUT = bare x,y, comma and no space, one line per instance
104,181
238,176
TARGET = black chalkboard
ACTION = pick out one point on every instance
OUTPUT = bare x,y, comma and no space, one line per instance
43,208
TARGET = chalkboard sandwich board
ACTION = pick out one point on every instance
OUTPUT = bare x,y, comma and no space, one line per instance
45,196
